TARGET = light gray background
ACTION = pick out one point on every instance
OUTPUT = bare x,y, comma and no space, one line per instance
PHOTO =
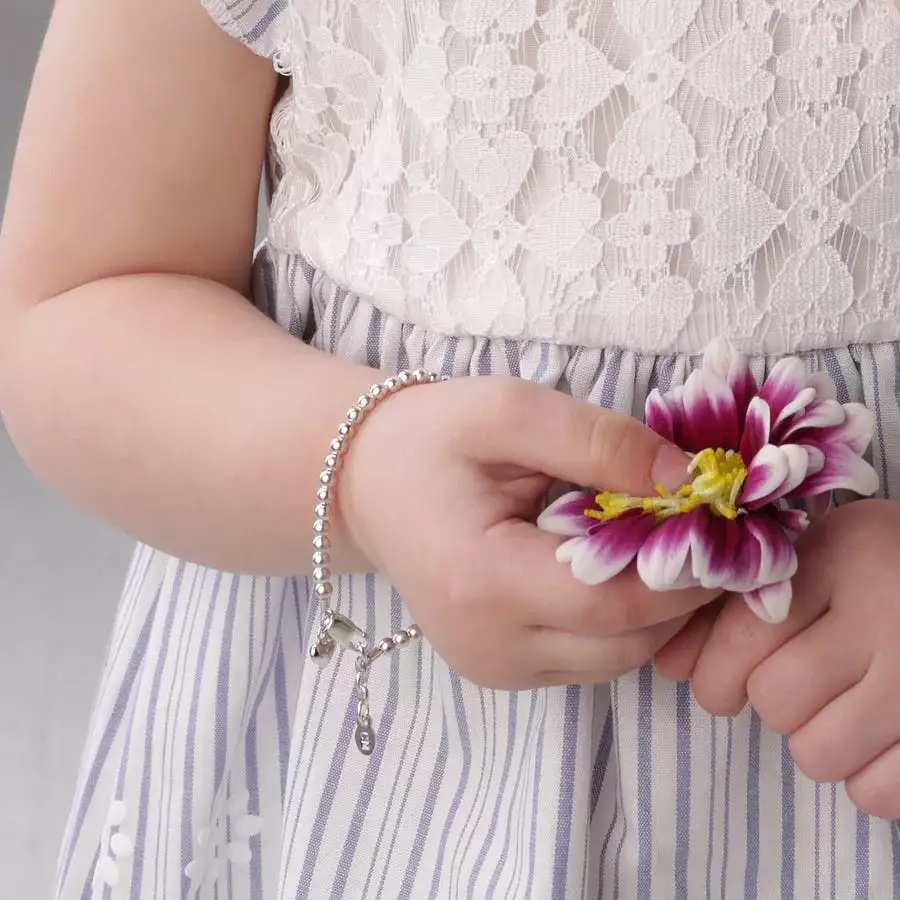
60,575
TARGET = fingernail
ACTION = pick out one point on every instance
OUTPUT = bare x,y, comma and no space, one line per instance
670,468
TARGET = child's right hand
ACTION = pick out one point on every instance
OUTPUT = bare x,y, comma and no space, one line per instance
440,490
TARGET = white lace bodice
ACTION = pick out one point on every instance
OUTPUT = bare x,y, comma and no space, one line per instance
640,173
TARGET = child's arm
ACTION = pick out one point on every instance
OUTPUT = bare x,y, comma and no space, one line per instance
135,377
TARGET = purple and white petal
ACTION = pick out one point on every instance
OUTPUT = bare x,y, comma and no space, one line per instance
856,431
711,418
815,462
764,554
757,426
798,462
565,552
771,603
714,545
746,560
797,459
767,472
786,380
659,416
566,516
664,560
843,469
816,459
806,397
779,559
665,414
796,520
610,547
734,369
719,357
823,414
743,385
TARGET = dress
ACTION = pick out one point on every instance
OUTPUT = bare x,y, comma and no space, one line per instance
582,193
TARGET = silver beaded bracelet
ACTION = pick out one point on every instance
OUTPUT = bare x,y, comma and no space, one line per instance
336,630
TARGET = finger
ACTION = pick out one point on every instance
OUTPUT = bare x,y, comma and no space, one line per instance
851,732
875,789
565,658
546,431
806,674
523,566
737,645
677,659
740,640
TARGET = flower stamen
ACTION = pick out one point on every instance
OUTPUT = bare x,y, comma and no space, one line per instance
719,476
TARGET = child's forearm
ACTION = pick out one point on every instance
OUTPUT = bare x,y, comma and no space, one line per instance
173,409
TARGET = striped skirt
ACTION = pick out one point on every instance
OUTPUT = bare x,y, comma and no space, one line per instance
219,765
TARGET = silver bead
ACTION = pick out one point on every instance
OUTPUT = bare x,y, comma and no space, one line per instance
404,378
364,402
326,476
419,376
321,542
323,494
325,589
413,632
401,638
321,526
322,573
386,645
337,445
344,429
376,391
353,414
320,558
331,461
323,510
391,384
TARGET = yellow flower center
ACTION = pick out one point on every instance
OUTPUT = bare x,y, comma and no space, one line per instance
719,476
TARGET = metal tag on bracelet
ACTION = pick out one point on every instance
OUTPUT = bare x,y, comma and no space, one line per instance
365,739
322,650
346,633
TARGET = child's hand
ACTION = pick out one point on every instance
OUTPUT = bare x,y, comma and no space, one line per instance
440,491
830,675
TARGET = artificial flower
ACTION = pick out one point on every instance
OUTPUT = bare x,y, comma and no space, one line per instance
751,452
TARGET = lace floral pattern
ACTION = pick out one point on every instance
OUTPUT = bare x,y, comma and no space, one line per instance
643,173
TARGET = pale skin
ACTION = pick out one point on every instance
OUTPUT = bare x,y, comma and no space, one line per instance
132,369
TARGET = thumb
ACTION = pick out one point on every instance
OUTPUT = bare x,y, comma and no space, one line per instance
545,431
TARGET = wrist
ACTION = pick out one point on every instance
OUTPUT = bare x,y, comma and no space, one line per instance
335,630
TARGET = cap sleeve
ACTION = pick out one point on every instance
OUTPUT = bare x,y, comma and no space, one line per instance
258,24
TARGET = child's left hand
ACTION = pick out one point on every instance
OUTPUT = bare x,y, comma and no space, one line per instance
829,676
